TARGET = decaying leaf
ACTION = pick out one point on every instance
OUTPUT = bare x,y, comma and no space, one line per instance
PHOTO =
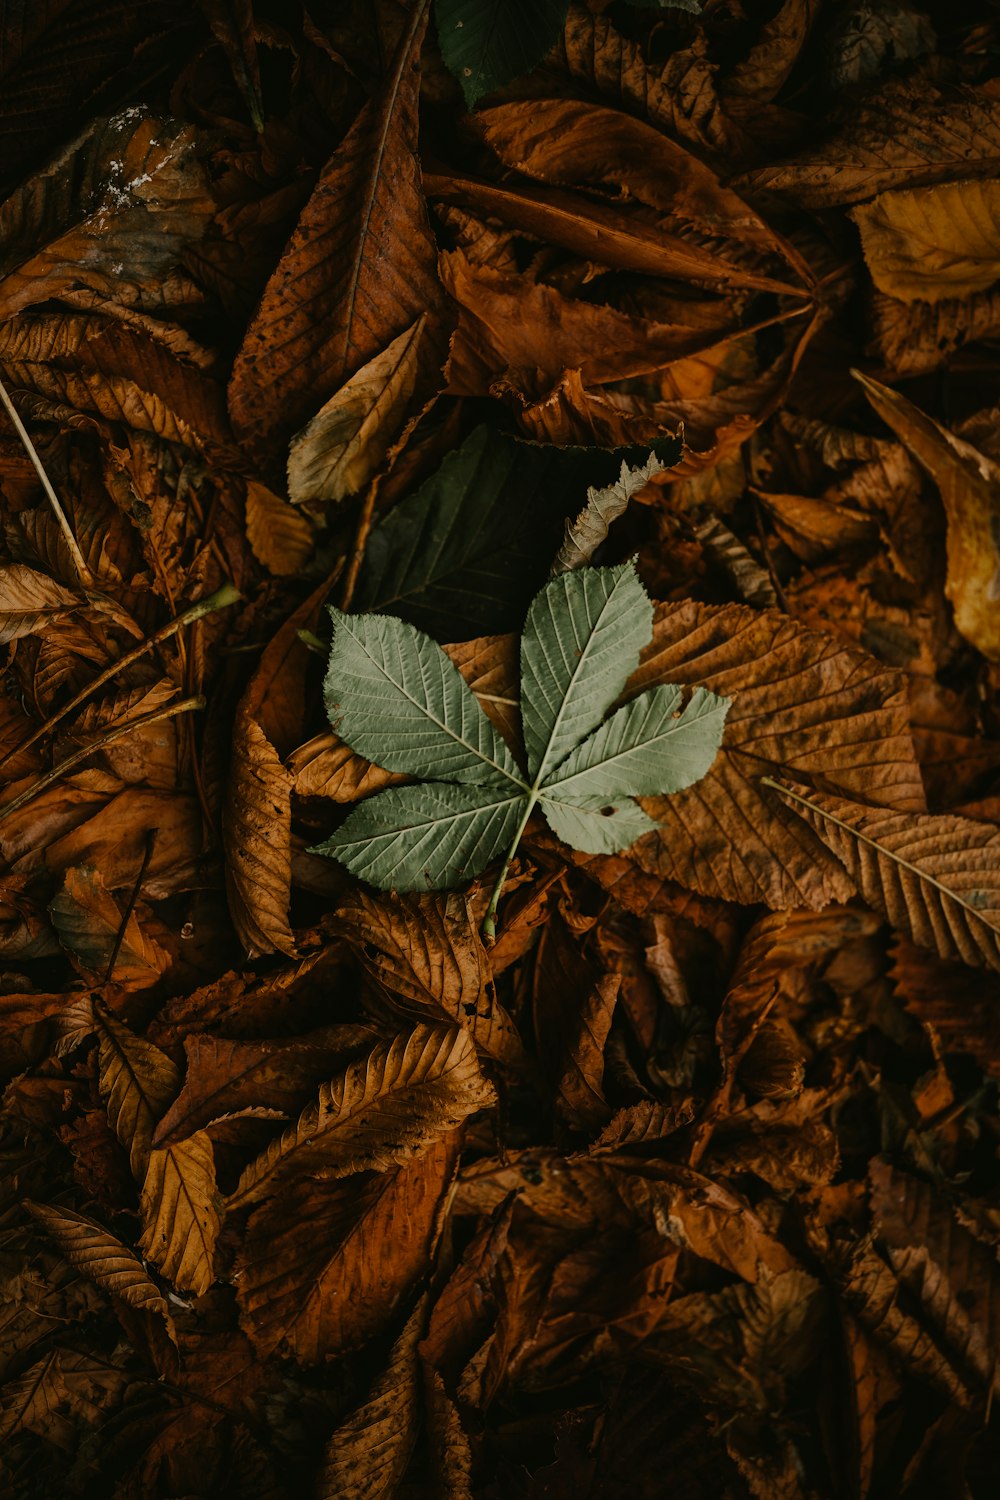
281,538
112,213
373,1236
426,953
969,485
103,1259
137,1082
382,1111
362,252
339,450
368,1453
933,876
181,1212
518,339
257,831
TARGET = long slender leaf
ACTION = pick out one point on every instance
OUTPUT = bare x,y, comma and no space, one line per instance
581,642
650,747
429,836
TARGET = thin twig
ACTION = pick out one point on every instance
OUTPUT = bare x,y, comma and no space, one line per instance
220,599
72,761
360,543
79,561
130,908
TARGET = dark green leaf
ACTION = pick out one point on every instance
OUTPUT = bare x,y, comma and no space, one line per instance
486,43
465,554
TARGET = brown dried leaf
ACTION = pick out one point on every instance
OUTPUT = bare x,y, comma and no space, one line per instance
570,143
799,699
641,1124
337,452
281,538
954,1277
679,96
61,1386
580,1093
531,333
121,374
88,921
102,1259
357,272
113,213
872,1293
935,877
745,1343
775,53
961,1004
312,1295
181,1212
31,602
969,484
383,1111
811,528
906,133
367,1454
426,952
256,832
225,1076
137,1083
622,237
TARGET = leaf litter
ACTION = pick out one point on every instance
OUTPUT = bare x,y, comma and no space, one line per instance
499,853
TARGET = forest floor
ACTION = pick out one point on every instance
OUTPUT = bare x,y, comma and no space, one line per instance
684,1181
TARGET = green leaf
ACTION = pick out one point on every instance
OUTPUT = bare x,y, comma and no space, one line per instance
648,748
396,699
428,836
464,554
486,43
581,643
595,825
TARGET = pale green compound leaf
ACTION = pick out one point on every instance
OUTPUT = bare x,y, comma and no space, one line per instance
581,643
395,698
428,836
596,825
651,747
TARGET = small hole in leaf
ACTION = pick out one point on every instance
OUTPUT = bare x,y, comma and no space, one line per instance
607,812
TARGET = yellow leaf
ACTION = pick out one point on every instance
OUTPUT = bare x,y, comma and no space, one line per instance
969,483
382,1111
180,1211
102,1259
925,244
339,450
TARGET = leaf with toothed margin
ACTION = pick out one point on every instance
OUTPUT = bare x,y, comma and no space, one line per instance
396,699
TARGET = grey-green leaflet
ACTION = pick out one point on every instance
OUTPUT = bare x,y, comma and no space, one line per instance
394,697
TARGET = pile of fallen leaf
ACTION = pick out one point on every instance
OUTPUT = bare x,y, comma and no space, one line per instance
688,1185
